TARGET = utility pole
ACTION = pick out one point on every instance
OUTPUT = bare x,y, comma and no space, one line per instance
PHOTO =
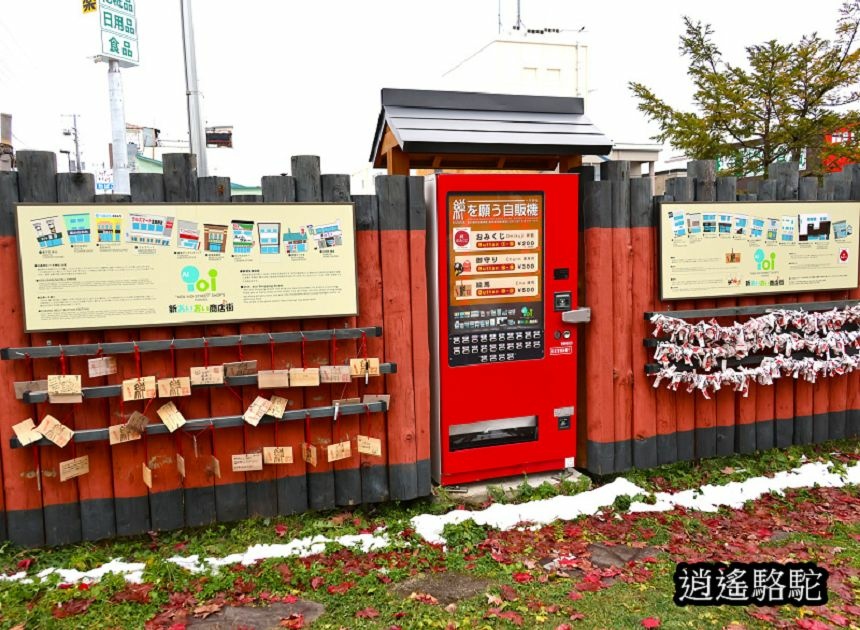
74,133
119,151
196,133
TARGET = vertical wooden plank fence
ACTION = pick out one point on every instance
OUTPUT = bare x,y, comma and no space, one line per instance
686,425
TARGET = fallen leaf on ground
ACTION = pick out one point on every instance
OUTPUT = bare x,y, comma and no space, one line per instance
650,622
508,592
424,598
367,613
207,609
294,621
338,589
71,608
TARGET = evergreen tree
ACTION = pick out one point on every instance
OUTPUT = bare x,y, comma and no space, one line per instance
781,102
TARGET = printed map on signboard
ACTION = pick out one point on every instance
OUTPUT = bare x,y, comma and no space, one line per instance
725,249
165,264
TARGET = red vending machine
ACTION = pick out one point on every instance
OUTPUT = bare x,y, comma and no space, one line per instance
502,270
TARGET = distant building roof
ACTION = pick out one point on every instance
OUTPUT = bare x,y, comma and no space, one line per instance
425,122
234,187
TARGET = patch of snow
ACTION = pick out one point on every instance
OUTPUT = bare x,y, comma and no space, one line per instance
710,498
300,547
131,571
506,516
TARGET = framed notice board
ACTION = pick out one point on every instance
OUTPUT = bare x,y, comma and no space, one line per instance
710,250
124,265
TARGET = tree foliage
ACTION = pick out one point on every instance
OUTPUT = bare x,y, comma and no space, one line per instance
782,101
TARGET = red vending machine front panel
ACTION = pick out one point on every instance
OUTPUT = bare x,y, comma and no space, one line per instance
504,271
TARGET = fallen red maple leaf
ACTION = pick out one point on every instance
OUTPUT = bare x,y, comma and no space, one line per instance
577,616
514,617
563,626
280,530
574,595
835,619
650,622
811,624
316,582
508,592
338,589
71,608
761,616
522,577
294,621
25,563
137,593
367,613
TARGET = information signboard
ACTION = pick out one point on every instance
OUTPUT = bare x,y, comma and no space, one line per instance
712,250
495,298
122,265
118,31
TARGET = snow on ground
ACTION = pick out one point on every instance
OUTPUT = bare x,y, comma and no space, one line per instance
505,516
708,498
298,547
132,571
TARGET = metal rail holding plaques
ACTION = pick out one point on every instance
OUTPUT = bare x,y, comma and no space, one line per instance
122,266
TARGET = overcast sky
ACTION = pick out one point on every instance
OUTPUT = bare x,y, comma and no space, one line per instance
304,77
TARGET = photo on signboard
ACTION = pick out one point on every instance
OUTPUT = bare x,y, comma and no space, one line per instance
243,236
813,227
48,232
108,227
709,223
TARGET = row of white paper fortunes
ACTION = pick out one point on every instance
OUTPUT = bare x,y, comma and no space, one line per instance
754,335
770,368
754,332
833,343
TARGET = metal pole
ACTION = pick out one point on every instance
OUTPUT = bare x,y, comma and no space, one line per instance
117,126
196,133
77,145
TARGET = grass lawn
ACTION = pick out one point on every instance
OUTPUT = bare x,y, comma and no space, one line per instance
535,577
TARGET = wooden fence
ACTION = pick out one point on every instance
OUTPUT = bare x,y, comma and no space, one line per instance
631,424
37,508
625,421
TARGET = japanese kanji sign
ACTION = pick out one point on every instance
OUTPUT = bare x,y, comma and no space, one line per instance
118,30
89,6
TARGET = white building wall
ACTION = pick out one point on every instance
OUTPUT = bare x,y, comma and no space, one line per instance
533,64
